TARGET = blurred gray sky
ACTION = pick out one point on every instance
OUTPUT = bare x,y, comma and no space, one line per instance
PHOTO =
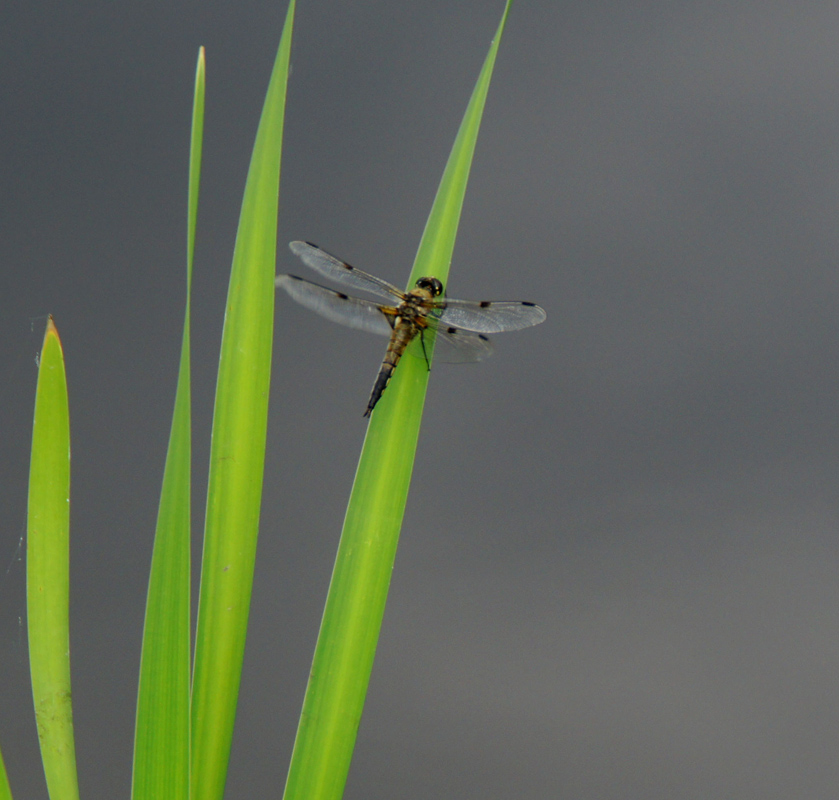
618,569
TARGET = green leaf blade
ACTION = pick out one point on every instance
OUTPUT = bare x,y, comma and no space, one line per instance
358,590
238,450
162,741
48,571
5,789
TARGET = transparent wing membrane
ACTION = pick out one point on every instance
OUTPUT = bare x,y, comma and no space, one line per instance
350,311
457,346
490,317
340,272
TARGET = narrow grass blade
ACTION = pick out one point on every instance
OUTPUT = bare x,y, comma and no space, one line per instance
361,577
5,789
238,450
161,740
48,571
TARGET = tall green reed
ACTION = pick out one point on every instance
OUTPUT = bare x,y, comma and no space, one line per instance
358,590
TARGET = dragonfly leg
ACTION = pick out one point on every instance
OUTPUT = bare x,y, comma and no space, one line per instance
425,355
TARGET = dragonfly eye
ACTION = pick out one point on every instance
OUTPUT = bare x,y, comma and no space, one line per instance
432,285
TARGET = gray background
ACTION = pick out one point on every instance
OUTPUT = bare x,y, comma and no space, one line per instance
618,569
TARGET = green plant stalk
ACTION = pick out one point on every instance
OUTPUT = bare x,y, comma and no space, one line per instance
358,590
161,740
238,450
48,571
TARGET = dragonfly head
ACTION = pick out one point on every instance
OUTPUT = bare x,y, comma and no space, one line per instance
431,285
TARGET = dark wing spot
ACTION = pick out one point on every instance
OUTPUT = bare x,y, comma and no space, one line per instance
525,303
485,303
482,337
312,244
343,296
451,330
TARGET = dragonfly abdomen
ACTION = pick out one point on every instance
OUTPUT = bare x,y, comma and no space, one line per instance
403,332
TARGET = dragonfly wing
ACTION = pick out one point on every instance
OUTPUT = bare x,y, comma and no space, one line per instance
452,345
336,270
337,307
458,346
489,317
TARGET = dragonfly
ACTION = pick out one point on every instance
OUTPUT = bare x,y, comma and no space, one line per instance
423,312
